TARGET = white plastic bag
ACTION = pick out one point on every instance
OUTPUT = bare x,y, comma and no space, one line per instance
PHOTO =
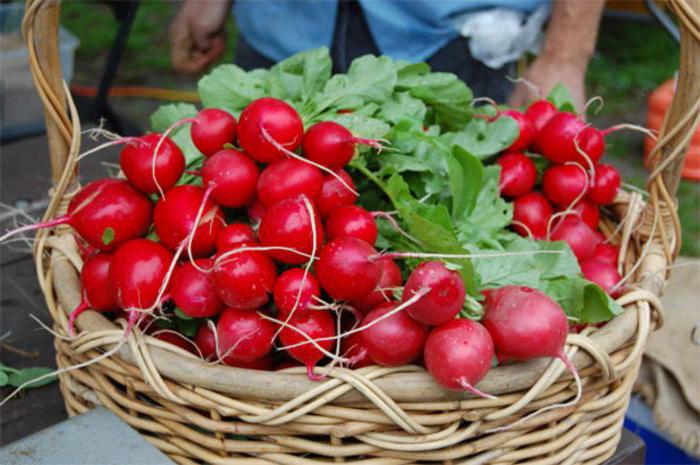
499,36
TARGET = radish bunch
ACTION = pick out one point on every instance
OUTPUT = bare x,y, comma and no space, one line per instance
574,187
267,257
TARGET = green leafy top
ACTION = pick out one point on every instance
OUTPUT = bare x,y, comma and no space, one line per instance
431,171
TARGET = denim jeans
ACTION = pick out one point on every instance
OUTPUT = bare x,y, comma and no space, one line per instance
353,39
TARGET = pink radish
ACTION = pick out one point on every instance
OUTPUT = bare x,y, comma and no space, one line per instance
390,278
177,340
97,292
445,298
458,354
564,184
278,119
290,224
244,279
539,112
518,174
138,273
332,145
104,213
395,340
606,253
244,336
352,221
581,238
174,219
233,234
531,214
353,348
193,290
526,323
586,211
334,194
605,185
317,325
603,273
295,290
526,131
212,129
206,342
256,211
136,161
557,140
231,176
286,179
345,269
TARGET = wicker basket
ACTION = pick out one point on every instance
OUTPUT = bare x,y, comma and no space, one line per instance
197,412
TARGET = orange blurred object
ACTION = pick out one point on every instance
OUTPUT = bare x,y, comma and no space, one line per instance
659,103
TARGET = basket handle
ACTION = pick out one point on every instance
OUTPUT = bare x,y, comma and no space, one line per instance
41,33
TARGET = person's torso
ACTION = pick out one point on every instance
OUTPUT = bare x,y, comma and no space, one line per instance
403,29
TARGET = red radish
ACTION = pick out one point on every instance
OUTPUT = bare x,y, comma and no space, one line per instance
557,140
289,223
206,342
390,278
211,129
244,336
563,184
331,144
136,161
353,348
607,253
138,272
458,355
286,179
256,211
244,279
586,211
580,237
352,221
231,175
345,269
177,340
525,323
602,273
175,215
287,287
334,194
444,299
518,174
105,213
193,290
539,112
317,325
263,363
233,234
97,292
395,340
531,211
278,119
526,131
605,185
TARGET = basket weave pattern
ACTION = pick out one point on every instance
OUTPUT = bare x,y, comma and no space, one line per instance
196,412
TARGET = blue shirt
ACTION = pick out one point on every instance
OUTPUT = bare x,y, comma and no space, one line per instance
410,30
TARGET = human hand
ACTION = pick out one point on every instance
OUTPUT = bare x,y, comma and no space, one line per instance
197,34
545,73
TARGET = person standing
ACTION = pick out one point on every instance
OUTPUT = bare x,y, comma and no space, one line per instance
412,30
